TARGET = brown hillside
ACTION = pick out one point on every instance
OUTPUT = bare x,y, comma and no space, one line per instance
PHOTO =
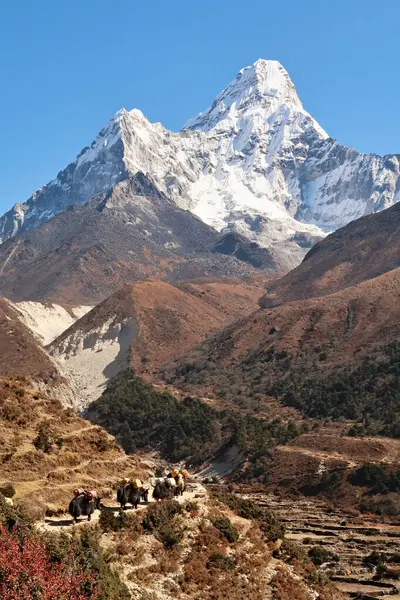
362,250
165,319
173,319
21,353
343,326
80,454
346,324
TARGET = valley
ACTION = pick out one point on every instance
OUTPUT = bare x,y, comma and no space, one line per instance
224,299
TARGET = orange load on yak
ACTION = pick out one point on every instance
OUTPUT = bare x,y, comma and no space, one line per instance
185,473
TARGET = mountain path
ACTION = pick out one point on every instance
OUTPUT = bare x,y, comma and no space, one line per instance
322,456
64,522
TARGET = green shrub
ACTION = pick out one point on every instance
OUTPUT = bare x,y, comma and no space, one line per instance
87,553
221,562
292,550
59,442
8,490
268,523
44,438
378,478
12,515
224,525
320,555
103,442
375,558
108,521
382,504
158,514
160,519
169,534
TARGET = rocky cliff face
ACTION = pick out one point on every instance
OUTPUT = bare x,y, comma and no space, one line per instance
255,163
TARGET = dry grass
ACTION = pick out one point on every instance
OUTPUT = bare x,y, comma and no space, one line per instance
79,454
205,565
202,565
20,352
286,587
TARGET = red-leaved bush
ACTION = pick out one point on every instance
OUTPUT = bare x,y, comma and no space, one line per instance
27,573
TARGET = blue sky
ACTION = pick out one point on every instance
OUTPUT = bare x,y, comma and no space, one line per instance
67,67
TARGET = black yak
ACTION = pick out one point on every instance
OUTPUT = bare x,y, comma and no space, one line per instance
128,493
163,491
144,494
83,505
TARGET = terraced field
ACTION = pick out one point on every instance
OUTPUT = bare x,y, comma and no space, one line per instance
314,523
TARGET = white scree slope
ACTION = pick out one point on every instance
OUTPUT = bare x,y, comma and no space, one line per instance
48,321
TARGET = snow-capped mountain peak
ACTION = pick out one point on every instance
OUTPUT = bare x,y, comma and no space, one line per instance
259,90
255,162
108,136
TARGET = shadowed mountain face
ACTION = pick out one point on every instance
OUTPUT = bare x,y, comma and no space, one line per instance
131,233
362,250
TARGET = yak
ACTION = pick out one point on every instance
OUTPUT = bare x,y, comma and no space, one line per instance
163,491
128,493
144,494
82,506
180,485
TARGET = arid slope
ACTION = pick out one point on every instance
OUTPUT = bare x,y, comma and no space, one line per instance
362,250
20,351
78,453
344,326
148,323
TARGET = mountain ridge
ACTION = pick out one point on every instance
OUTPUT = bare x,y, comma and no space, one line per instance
146,324
129,233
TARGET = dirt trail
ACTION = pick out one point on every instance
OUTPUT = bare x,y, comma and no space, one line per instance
322,455
79,431
64,522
